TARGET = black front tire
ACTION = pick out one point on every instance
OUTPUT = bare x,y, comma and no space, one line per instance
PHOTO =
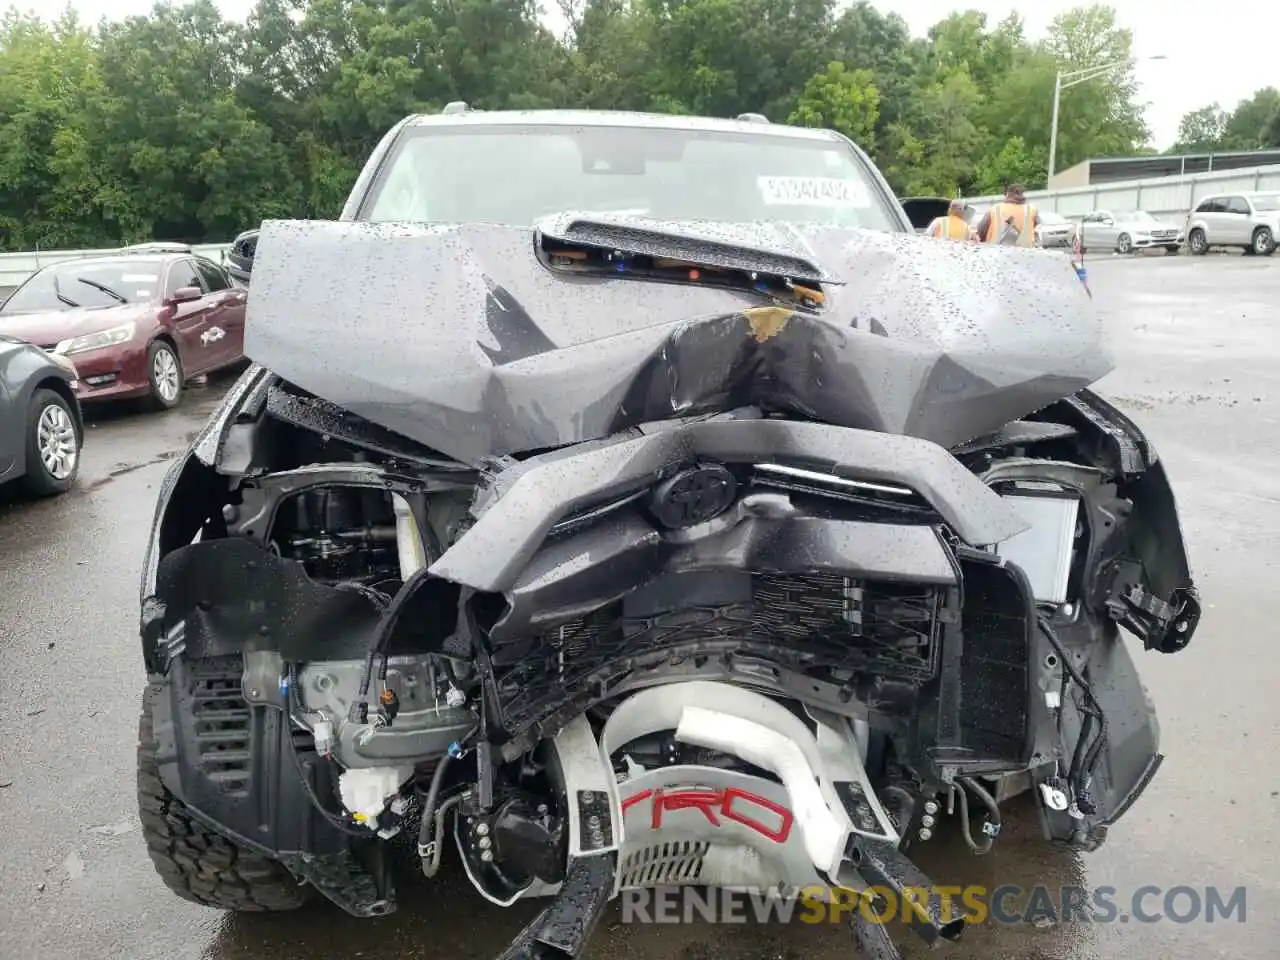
1197,243
195,862
1124,244
38,480
1264,243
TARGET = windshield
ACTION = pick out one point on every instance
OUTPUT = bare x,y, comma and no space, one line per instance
1134,216
514,175
1051,219
1267,204
90,284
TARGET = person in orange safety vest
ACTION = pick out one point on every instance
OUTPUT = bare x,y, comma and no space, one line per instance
953,226
1013,221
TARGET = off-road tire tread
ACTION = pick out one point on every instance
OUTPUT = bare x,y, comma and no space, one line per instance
195,862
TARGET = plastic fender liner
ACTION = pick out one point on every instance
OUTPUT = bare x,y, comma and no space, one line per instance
231,596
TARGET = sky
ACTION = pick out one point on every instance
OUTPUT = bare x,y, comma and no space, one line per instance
1194,74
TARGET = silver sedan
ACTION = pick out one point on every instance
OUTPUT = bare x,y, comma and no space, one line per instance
1129,230
1054,230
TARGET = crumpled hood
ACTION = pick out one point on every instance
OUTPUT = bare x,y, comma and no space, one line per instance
461,338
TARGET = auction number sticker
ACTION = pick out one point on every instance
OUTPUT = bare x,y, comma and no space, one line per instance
813,192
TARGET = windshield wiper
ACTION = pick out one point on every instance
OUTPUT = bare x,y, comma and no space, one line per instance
105,289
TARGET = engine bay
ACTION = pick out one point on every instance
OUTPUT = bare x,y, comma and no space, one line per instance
323,567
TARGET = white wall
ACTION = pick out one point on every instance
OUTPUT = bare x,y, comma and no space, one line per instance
1160,196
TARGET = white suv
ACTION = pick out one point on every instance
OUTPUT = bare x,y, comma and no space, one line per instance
1247,220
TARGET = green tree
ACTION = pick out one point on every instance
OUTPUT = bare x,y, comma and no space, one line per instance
1201,131
841,99
950,138
52,191
1101,117
867,39
184,125
725,57
193,160
1246,127
1271,132
1015,163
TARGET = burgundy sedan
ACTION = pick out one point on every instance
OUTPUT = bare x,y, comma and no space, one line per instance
133,325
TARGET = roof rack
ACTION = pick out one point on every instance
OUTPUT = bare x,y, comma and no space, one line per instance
457,106
753,117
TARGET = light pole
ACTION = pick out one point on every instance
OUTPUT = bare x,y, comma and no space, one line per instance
1070,79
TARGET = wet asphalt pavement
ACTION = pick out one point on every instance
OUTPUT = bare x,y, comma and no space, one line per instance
1198,346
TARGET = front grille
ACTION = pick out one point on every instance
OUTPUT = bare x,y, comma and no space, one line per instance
996,620
824,626
1163,234
887,628
853,499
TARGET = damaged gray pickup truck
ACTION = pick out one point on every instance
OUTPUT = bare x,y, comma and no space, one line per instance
624,501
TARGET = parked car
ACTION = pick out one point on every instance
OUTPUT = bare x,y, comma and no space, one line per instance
240,257
1250,221
922,211
161,246
1054,230
41,431
1129,230
135,326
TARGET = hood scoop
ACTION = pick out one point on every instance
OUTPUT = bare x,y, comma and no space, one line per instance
763,248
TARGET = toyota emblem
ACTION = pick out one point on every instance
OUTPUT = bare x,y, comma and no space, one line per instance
693,496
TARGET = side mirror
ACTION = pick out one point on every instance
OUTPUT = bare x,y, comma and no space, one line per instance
184,295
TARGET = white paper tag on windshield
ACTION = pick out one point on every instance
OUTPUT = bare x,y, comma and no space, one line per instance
812,192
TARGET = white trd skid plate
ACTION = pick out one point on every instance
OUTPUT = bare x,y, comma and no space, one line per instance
818,825
701,825
709,826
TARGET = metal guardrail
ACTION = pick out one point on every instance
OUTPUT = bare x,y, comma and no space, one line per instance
16,267
1173,197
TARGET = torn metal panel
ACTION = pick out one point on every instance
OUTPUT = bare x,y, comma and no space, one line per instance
511,529
469,343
